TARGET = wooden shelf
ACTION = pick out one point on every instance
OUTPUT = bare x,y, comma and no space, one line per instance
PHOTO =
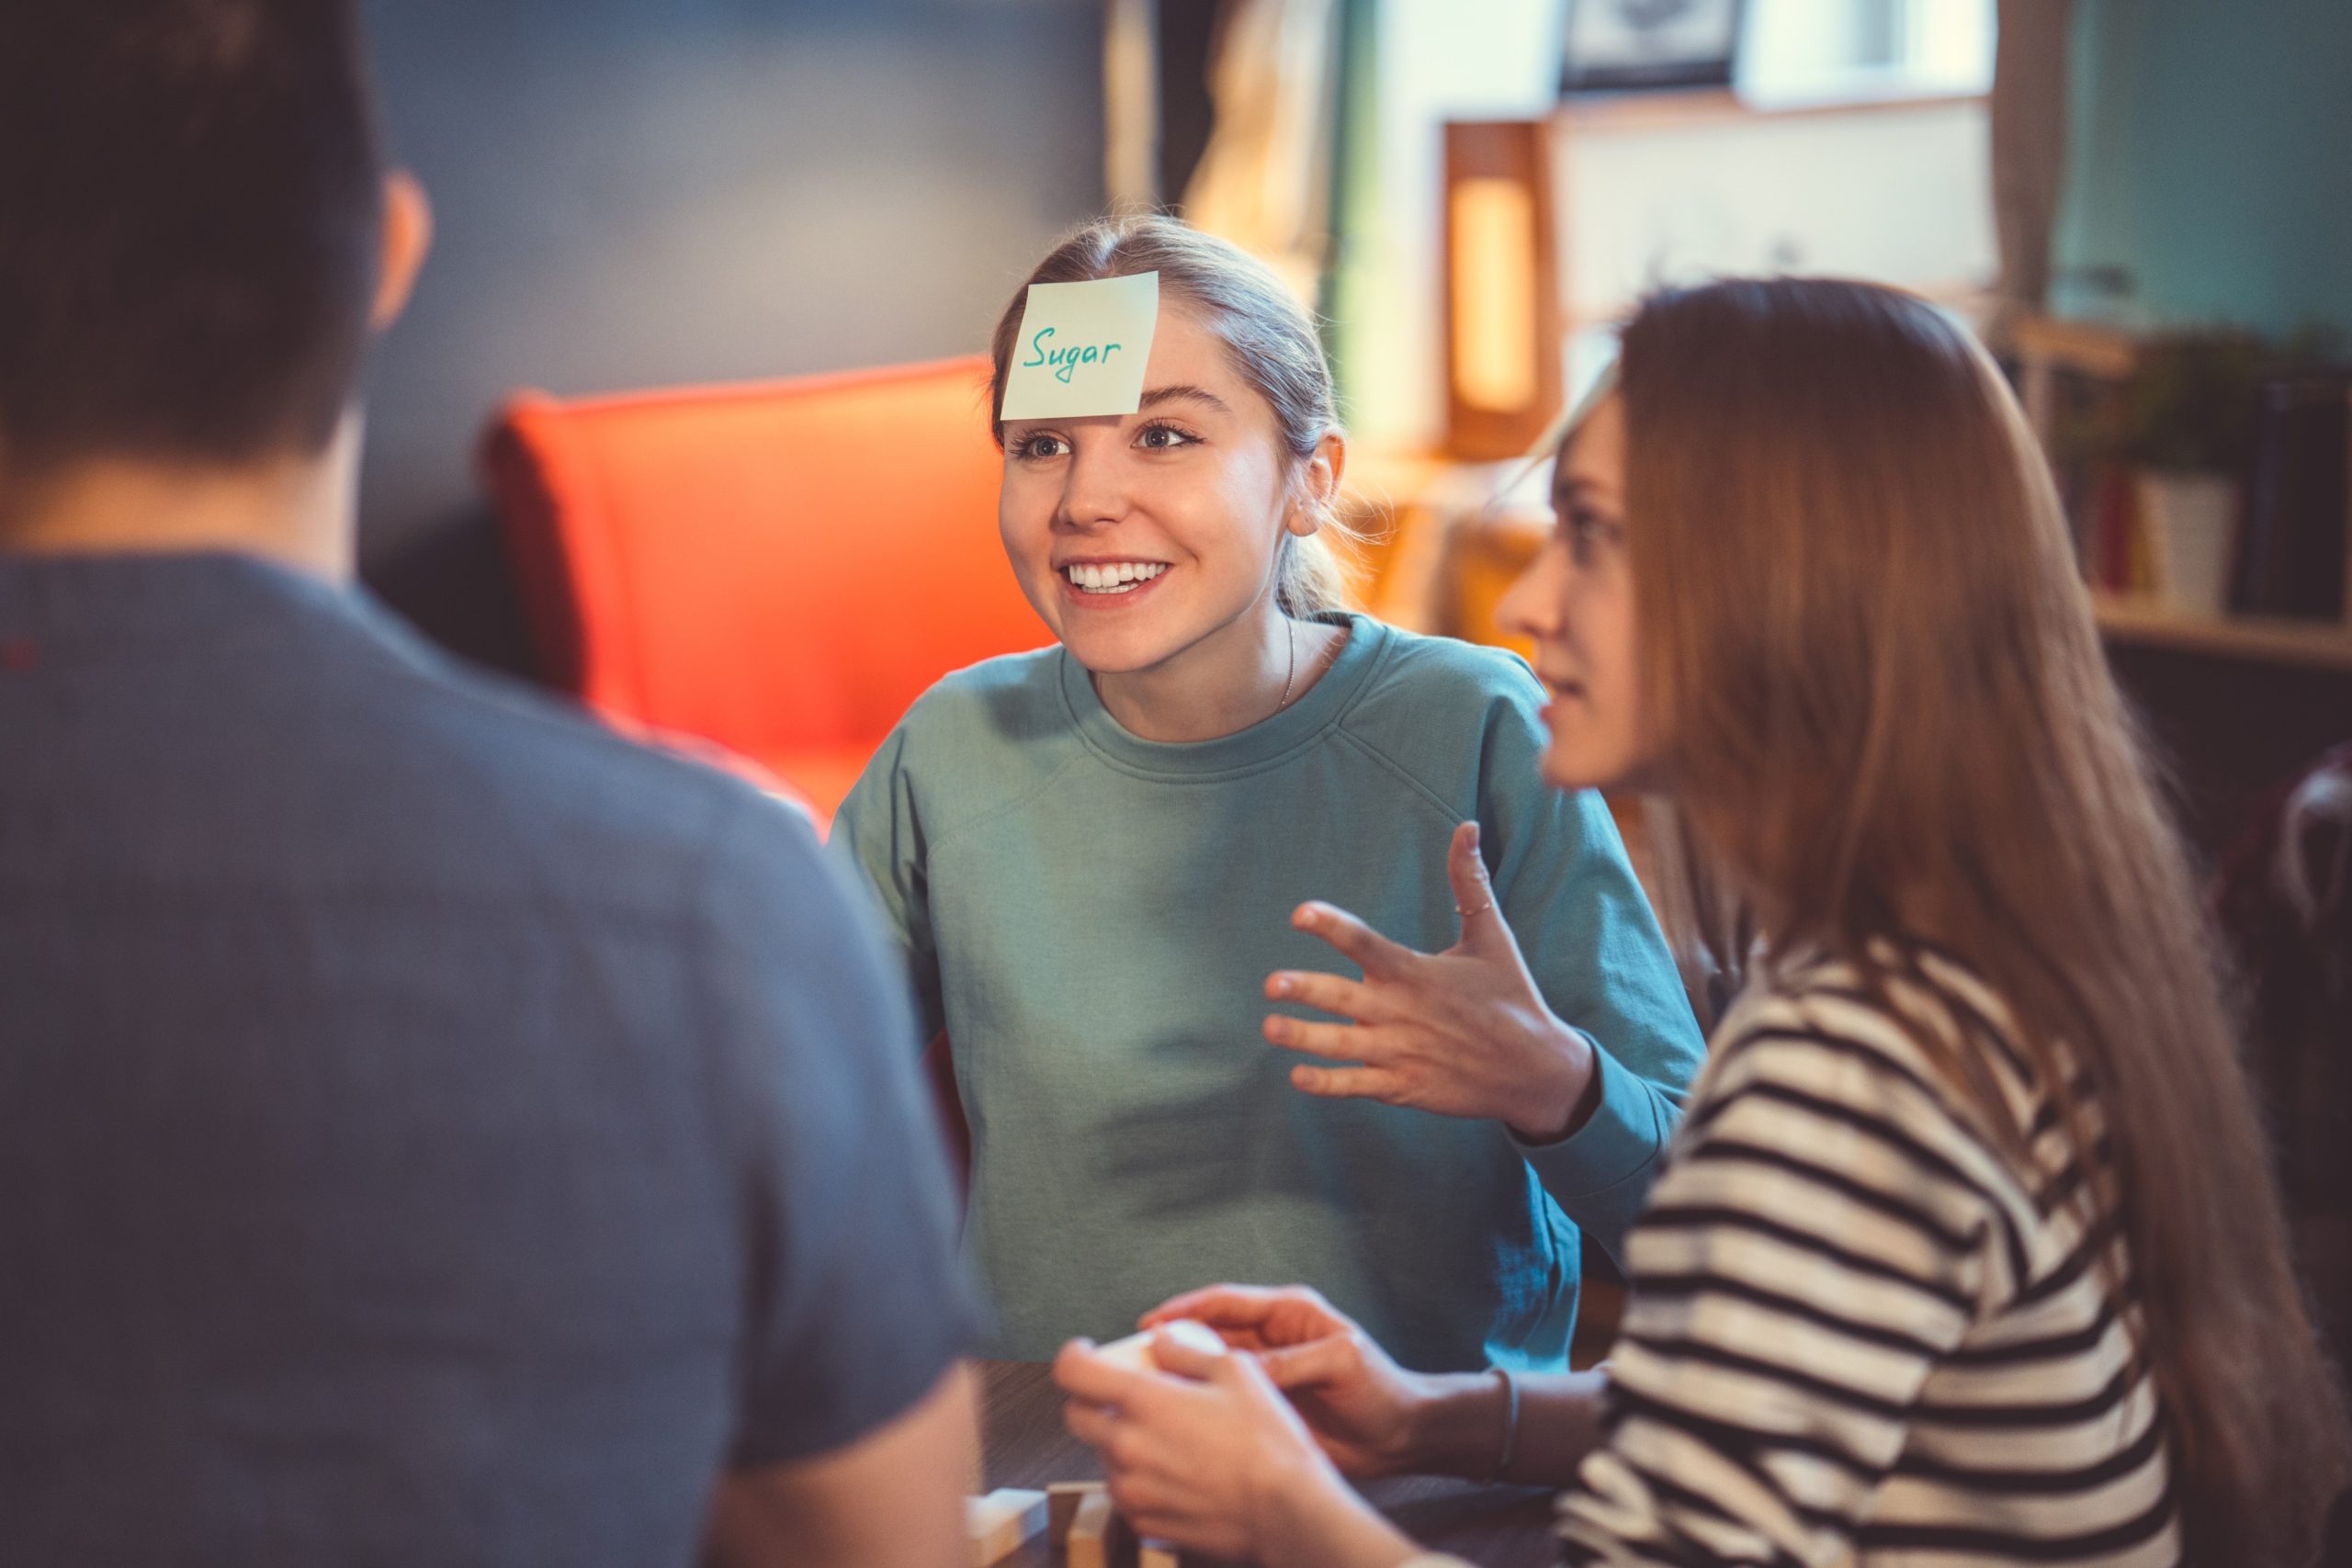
2316,644
2091,348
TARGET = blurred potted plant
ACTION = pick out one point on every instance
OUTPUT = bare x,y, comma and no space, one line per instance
2186,427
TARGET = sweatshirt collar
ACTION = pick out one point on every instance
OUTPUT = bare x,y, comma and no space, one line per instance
1267,741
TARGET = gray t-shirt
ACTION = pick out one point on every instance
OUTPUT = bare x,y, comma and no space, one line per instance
433,1131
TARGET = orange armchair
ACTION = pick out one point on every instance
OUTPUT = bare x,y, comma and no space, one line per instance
779,568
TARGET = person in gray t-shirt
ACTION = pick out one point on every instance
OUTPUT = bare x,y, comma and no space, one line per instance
435,1130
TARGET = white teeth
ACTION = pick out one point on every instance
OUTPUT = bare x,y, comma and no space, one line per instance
1120,577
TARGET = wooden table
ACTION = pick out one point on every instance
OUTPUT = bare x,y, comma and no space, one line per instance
1024,1443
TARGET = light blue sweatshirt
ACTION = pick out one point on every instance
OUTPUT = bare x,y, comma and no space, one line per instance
1091,918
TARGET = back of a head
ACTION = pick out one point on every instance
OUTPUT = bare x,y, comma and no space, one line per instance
193,194
1884,705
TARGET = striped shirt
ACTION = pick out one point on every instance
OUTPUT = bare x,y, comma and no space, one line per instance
1859,1333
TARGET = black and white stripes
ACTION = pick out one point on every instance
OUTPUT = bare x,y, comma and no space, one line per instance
1861,1333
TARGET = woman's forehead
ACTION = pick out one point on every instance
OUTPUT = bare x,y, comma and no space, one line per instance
1594,453
1182,342
1187,351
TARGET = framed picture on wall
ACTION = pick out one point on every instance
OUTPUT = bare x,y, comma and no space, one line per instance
1621,45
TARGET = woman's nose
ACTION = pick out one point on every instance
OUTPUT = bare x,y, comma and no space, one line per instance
1095,490
1536,604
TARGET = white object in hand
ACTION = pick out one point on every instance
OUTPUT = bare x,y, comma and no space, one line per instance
1135,1350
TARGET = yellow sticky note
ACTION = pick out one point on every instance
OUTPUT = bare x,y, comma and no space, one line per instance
1082,348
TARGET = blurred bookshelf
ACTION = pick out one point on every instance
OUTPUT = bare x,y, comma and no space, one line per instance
2275,640
2073,375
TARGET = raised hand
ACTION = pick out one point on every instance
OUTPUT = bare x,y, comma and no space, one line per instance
1463,1033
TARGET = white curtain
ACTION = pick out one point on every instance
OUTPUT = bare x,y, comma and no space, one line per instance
1131,106
1264,180
2029,116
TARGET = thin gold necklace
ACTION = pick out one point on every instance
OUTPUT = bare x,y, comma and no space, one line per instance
1290,635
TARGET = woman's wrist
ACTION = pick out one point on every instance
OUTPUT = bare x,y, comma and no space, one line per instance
1560,1099
1310,1517
1457,1424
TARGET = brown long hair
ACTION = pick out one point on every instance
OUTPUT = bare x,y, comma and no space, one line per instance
1881,703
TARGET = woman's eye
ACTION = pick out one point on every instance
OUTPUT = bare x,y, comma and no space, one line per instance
1587,531
1162,438
1040,446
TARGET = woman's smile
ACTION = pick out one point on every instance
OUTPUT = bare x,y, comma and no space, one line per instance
1109,582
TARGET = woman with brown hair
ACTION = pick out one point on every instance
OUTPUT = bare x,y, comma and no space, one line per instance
1967,1248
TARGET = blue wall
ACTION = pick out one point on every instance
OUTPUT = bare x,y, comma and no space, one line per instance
2211,157
635,193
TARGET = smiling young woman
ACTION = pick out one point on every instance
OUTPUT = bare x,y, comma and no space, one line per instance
1154,544
1092,854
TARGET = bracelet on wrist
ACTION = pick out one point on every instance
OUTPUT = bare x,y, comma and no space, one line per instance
1510,1422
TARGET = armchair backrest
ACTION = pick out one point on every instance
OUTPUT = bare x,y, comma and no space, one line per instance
781,567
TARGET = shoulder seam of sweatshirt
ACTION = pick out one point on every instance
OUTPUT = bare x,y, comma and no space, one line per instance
1403,773
1013,801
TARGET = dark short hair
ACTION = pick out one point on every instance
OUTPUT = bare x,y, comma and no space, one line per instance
190,207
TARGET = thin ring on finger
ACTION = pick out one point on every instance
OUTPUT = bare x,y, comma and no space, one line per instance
1481,909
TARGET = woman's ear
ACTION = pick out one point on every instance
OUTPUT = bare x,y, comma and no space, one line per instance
1319,485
